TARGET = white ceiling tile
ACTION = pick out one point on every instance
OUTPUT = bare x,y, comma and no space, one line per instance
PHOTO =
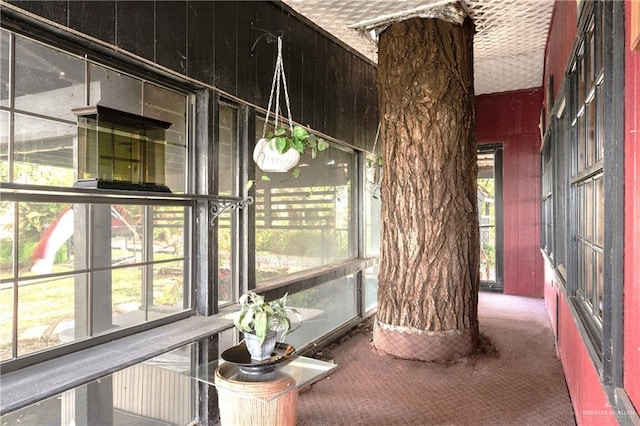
508,45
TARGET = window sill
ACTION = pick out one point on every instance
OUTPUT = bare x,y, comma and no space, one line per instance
17,191
40,381
304,280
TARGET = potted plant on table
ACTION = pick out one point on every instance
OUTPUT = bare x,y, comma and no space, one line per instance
260,321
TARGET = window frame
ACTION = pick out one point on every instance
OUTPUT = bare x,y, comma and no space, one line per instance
582,171
548,177
18,192
234,216
602,337
497,149
209,325
260,190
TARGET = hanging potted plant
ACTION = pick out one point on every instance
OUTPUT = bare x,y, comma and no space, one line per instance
260,321
280,150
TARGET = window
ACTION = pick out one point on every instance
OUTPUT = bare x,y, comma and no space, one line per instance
587,134
324,308
489,190
559,186
80,264
547,199
587,172
582,184
308,221
372,228
227,223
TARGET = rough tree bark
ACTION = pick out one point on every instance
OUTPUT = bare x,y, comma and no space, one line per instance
429,260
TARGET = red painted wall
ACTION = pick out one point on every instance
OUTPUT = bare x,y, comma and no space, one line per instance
512,118
551,297
590,404
632,222
559,43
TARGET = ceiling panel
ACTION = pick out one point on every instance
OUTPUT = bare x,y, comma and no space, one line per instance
508,45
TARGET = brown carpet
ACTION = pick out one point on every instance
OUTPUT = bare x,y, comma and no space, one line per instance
516,380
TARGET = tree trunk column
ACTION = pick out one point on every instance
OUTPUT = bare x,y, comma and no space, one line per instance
429,254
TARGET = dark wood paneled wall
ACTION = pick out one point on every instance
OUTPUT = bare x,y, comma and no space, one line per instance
219,43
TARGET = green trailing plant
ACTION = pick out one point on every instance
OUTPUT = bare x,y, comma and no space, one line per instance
259,317
298,138
283,138
374,161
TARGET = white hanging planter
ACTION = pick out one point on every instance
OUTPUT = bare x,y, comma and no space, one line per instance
372,174
268,159
265,154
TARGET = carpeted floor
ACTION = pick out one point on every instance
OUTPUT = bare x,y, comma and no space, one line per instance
518,380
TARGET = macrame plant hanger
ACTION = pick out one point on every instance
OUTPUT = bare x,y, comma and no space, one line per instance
265,153
278,76
373,169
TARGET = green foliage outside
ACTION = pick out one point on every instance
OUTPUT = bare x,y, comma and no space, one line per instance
299,242
488,231
316,296
52,302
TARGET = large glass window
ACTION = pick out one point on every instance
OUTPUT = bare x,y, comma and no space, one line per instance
489,190
47,79
372,207
372,228
306,221
589,139
76,265
559,187
81,265
91,269
546,214
583,183
227,223
156,392
323,308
